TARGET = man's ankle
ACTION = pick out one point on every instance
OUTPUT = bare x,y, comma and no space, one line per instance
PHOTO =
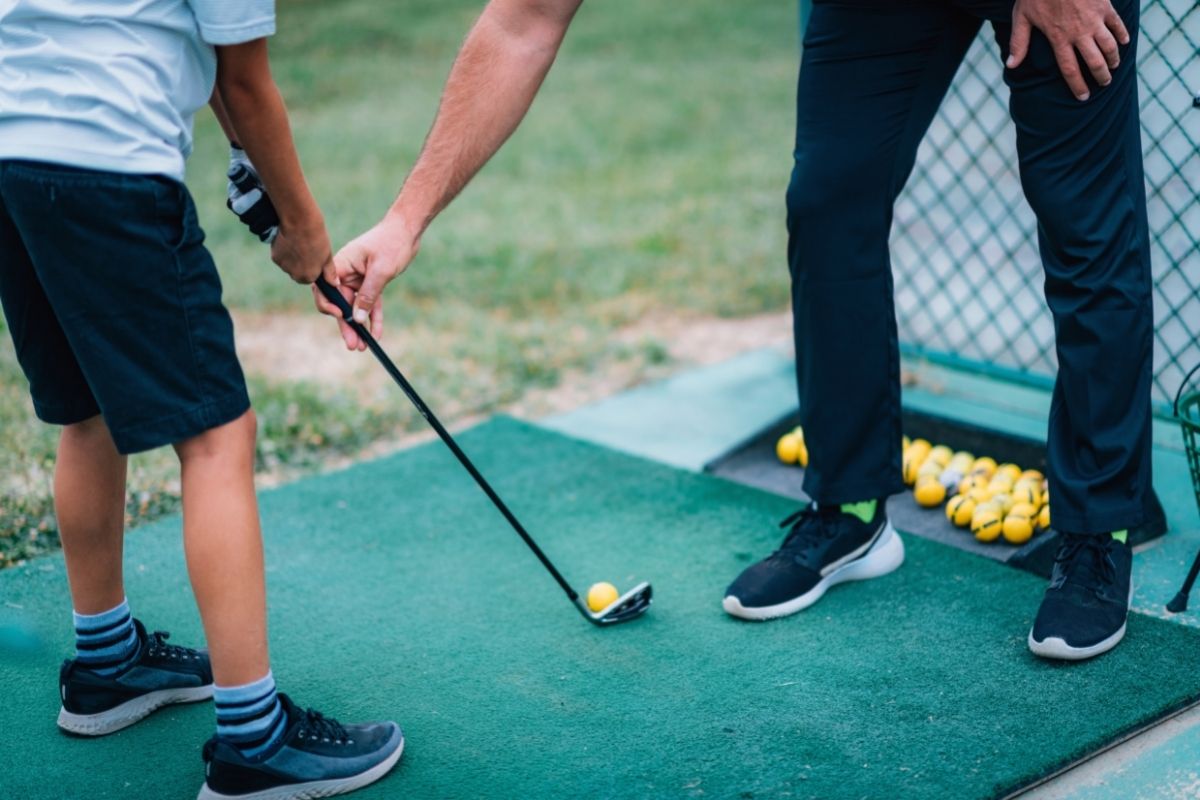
863,509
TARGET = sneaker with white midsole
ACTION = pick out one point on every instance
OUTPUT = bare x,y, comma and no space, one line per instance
1084,610
316,757
162,674
824,547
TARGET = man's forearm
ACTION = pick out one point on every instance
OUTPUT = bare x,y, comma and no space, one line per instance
491,86
255,112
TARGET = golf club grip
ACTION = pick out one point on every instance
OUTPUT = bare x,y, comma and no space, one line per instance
334,296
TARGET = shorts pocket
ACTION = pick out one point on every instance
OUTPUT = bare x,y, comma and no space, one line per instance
175,215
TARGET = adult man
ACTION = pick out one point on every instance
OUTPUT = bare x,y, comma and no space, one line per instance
872,77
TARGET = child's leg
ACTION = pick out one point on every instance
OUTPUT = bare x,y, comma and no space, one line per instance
89,499
223,543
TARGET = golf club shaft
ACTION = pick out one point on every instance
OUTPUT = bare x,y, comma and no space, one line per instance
335,297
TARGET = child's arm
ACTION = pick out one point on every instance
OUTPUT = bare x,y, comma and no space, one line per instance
255,117
218,109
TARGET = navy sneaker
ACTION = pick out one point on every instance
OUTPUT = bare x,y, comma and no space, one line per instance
161,674
317,757
824,547
1085,607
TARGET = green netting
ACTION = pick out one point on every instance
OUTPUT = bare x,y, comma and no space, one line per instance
968,275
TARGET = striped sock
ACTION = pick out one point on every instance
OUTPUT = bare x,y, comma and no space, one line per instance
106,643
249,717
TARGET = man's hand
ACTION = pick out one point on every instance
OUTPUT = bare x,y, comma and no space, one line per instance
1091,28
365,266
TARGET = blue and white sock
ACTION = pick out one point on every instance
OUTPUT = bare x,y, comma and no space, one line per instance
250,717
106,643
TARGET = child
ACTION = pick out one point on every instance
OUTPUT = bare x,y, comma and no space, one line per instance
115,310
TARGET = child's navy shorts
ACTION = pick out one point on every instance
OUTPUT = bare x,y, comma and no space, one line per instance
114,304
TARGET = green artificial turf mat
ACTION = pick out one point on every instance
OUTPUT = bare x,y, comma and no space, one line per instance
396,589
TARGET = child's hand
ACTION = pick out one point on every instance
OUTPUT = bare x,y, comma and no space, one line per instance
247,198
303,251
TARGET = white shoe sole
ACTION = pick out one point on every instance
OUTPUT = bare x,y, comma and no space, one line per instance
130,711
886,555
1054,647
313,789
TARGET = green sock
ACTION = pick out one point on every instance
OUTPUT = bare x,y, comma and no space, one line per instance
865,510
1120,536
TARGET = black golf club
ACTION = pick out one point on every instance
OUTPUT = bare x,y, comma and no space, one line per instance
628,606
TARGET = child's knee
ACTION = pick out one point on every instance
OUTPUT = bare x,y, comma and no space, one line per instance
233,439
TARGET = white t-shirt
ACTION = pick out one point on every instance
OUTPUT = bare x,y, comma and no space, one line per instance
114,85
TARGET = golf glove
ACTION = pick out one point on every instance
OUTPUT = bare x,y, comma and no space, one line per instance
247,197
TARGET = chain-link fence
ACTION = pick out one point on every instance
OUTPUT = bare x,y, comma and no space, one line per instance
968,274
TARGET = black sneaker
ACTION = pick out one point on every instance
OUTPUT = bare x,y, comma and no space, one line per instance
1083,613
824,547
162,674
317,757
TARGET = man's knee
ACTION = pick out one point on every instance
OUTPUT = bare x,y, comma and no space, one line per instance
1093,247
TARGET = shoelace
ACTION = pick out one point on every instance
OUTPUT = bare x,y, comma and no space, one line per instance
1091,555
316,725
809,526
159,647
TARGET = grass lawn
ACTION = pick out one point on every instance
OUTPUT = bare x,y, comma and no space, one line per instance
648,178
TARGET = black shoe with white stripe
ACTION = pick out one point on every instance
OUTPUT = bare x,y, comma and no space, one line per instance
160,674
1085,607
317,757
824,547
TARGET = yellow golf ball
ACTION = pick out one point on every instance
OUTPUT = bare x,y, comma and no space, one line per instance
999,485
941,454
1024,510
1025,492
1043,519
959,510
984,465
601,596
788,448
912,464
1011,470
1017,528
970,482
986,524
929,492
980,495
930,468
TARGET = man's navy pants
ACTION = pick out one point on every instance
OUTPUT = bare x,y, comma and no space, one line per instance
872,76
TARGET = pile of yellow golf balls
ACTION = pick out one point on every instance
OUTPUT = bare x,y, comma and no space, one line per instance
992,500
791,449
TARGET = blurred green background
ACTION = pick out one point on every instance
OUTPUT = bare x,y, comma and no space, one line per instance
647,183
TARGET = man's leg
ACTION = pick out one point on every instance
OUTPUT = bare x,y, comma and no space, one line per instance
1081,168
871,79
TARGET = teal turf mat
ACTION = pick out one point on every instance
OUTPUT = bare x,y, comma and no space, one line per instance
396,589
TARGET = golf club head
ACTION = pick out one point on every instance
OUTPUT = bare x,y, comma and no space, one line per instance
630,605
